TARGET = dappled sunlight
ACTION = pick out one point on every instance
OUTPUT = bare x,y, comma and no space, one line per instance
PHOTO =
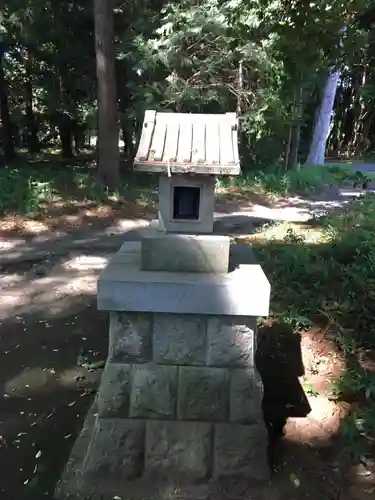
232,199
31,380
322,359
47,359
24,224
90,263
74,376
298,371
277,232
35,381
321,425
362,478
85,215
7,245
129,225
68,281
10,279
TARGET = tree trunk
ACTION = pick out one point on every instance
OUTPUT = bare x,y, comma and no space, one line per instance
7,126
287,148
359,137
32,124
127,136
295,132
108,130
294,148
66,137
323,120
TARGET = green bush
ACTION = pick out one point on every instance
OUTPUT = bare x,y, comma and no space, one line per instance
304,180
332,281
25,189
21,191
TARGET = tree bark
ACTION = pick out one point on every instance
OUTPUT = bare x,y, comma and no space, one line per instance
323,120
66,137
32,124
6,122
295,132
359,137
108,129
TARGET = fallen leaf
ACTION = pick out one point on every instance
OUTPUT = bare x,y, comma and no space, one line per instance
296,482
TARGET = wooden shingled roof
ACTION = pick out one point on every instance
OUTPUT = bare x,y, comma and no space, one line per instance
188,143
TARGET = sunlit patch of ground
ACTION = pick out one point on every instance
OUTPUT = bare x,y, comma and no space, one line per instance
51,291
57,214
279,231
323,364
312,464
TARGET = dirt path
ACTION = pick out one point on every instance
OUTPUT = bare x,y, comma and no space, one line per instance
53,342
30,240
50,336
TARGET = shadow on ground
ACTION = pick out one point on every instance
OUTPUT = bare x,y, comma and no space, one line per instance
46,395
47,392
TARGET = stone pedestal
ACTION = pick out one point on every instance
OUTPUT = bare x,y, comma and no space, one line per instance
179,406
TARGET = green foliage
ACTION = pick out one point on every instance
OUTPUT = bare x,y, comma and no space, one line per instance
22,192
333,282
280,182
29,189
187,56
358,429
302,272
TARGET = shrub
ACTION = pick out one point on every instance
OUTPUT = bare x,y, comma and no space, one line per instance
335,281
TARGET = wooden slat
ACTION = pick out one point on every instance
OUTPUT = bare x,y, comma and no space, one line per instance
171,141
226,146
146,136
199,142
185,143
212,142
158,141
188,140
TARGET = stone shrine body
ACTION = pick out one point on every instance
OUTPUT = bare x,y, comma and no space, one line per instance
179,408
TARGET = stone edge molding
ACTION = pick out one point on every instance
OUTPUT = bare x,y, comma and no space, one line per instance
123,285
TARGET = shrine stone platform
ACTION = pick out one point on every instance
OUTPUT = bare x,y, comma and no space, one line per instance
179,410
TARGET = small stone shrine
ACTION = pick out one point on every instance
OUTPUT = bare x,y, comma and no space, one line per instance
179,409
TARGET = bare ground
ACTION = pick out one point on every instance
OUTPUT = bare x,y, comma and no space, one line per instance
53,341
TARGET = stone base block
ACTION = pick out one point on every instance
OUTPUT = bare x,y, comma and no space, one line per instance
163,460
116,450
179,409
154,391
130,337
239,451
185,253
203,394
179,449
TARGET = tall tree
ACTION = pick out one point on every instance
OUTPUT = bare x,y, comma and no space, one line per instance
108,130
323,120
31,121
6,122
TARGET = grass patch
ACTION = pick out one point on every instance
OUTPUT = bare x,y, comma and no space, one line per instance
27,188
333,282
275,181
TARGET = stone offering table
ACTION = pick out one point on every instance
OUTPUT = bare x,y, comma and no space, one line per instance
179,408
